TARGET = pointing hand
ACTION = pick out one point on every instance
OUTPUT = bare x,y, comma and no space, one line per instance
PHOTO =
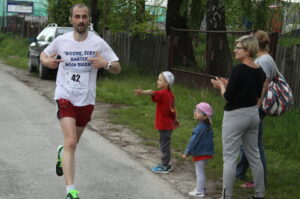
52,61
98,61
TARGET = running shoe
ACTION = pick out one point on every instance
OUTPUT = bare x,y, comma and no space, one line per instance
73,194
162,169
59,169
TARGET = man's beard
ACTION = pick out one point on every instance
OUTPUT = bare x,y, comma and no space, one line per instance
81,28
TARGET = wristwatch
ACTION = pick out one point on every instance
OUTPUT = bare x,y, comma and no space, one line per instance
108,67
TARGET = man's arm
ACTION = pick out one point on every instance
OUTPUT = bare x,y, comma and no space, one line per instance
50,61
100,62
115,68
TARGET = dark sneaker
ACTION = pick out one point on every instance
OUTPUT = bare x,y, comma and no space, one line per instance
59,170
73,194
162,169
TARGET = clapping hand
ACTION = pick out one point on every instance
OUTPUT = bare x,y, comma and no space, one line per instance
217,83
220,83
224,81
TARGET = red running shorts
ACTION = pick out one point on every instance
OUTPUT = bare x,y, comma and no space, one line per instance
82,114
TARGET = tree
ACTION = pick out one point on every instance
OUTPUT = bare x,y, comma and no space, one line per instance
95,13
197,13
104,11
59,12
261,14
218,57
249,14
124,15
140,11
183,53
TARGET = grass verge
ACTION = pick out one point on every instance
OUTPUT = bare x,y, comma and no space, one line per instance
14,50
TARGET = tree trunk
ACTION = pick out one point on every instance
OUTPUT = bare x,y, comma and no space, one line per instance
105,14
218,58
95,14
183,53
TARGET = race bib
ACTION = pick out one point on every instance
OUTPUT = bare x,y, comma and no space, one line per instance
77,80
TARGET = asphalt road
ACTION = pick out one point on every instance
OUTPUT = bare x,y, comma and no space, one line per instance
29,135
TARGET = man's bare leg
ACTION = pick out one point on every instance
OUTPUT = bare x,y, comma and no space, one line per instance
68,127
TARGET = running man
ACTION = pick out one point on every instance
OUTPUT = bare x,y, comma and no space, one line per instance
82,54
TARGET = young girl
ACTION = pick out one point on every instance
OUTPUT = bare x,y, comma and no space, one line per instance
201,145
165,117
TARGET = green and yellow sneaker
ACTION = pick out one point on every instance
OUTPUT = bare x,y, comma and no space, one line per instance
59,169
73,194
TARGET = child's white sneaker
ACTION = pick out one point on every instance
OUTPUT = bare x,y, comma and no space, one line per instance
196,193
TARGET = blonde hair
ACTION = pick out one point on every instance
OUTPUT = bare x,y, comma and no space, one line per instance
250,44
263,40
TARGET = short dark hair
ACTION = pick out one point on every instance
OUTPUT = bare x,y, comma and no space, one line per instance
79,5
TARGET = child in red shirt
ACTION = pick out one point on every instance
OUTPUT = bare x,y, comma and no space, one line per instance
165,117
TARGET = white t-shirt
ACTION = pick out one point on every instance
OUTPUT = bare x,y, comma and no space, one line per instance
76,78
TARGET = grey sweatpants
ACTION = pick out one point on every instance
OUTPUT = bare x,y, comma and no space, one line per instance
165,146
240,126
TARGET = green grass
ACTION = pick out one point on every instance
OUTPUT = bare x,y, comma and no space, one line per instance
289,41
14,50
281,134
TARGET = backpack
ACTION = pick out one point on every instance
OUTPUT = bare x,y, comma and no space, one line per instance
278,97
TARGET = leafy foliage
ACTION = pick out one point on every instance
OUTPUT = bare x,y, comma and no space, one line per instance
123,17
118,15
59,12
